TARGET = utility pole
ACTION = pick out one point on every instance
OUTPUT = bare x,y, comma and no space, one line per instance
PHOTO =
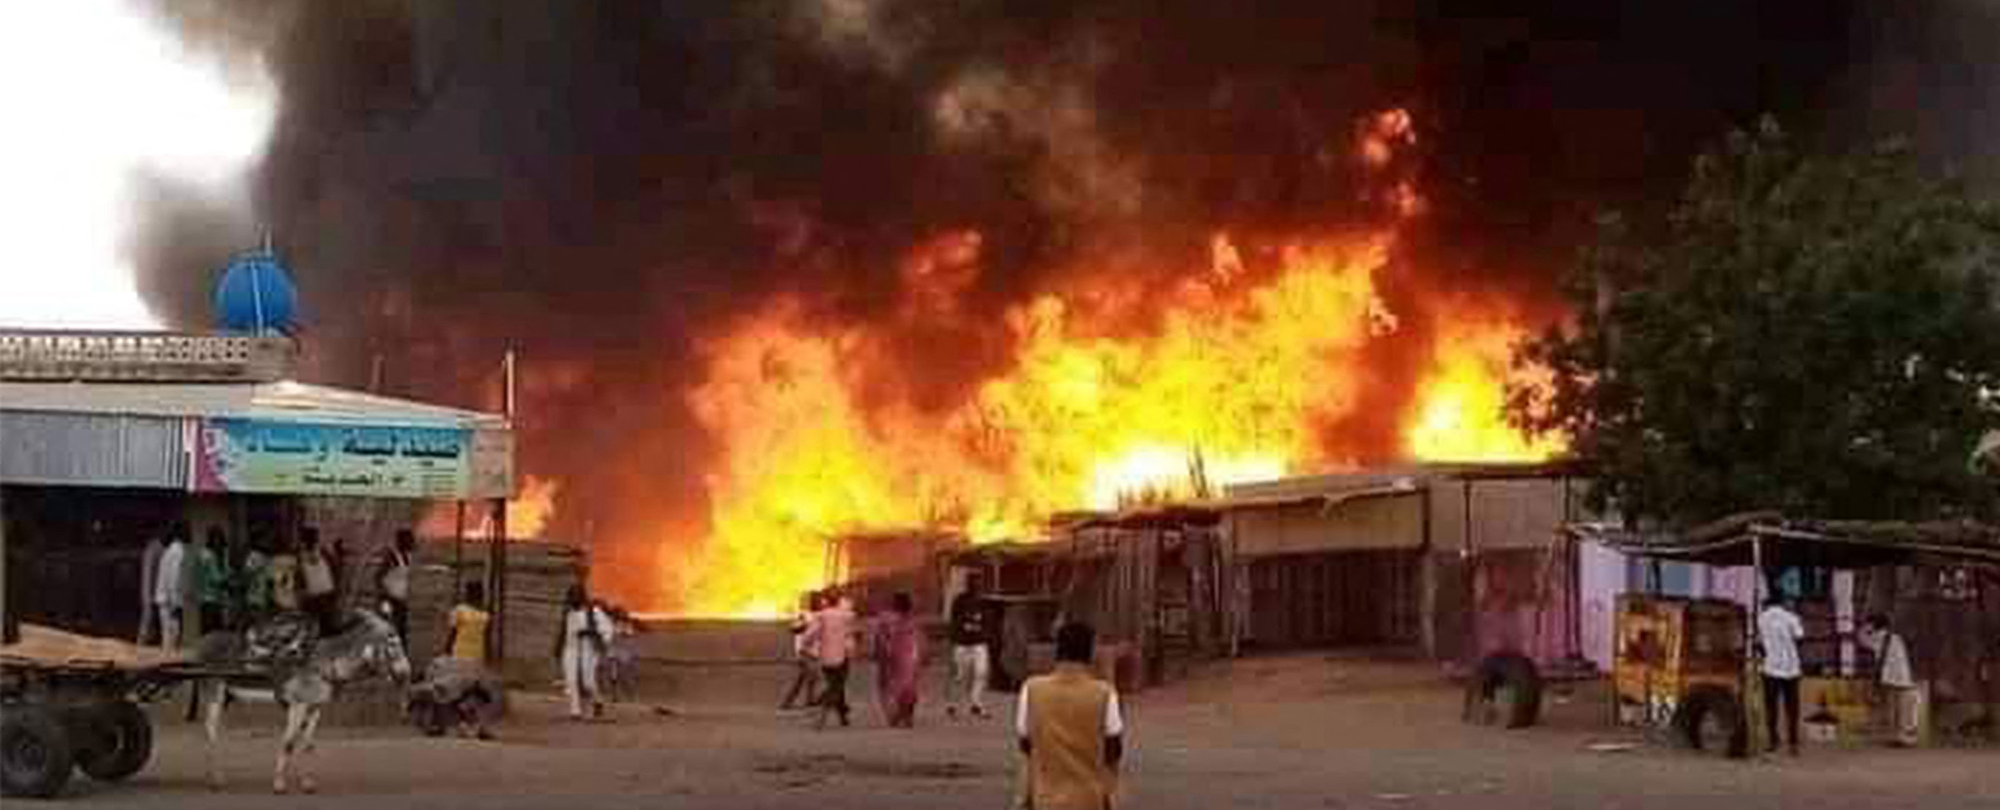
496,550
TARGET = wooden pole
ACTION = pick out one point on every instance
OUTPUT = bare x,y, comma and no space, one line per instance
496,553
10,629
1753,701
458,554
496,572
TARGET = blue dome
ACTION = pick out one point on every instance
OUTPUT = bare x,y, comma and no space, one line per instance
256,295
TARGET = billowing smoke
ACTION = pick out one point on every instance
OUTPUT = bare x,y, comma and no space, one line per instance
597,184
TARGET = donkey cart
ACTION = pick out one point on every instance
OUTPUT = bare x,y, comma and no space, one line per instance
61,713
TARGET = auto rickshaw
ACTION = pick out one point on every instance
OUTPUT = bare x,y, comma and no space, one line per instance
1679,663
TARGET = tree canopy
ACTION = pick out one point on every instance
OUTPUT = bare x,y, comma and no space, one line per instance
1818,335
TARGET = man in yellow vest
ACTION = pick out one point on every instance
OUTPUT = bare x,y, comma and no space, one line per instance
1070,729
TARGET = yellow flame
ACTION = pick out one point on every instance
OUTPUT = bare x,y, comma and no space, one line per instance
1461,410
528,514
1119,391
1226,387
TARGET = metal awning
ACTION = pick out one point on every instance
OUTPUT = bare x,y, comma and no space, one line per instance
1827,544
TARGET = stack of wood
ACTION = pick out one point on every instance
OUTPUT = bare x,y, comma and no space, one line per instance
49,646
538,576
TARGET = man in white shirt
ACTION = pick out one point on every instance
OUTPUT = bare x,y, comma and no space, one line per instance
1780,630
831,635
169,587
1899,684
149,582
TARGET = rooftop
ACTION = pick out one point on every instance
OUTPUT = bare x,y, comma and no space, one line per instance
282,400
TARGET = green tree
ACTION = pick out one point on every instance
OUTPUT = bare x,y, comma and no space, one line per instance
1814,335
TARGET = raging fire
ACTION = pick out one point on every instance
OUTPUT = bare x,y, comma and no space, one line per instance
1461,411
1116,391
1231,384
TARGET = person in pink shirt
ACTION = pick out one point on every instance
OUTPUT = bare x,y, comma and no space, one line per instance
831,635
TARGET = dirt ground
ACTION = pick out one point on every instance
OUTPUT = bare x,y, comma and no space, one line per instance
1293,732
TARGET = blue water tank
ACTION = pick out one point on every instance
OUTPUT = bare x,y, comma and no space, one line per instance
256,295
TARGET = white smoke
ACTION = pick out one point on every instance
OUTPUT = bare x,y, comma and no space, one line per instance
99,93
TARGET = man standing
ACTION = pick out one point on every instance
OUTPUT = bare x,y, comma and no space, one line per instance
211,581
805,683
170,587
1899,685
1780,630
322,595
149,583
285,575
830,635
1070,730
462,669
971,656
392,579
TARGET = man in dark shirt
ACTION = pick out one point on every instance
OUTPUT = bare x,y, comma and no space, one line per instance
972,628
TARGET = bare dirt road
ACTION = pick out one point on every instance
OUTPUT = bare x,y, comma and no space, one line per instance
1300,732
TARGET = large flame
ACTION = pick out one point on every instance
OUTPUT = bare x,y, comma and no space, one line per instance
1460,414
1229,385
1116,392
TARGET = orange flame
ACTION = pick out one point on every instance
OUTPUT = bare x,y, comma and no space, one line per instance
1226,387
528,514
1116,392
1461,410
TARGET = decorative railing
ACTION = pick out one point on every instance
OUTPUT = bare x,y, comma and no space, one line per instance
104,356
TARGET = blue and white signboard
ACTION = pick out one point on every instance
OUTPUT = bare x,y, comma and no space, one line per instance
372,461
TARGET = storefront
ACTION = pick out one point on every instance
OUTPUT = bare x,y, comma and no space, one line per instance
107,441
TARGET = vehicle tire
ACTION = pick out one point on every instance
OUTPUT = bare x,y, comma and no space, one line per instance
35,754
120,742
1506,690
1710,719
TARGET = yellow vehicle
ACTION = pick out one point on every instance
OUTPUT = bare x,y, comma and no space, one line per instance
1680,664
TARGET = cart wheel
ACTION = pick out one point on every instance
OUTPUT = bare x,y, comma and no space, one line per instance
1711,720
1507,691
35,755
121,742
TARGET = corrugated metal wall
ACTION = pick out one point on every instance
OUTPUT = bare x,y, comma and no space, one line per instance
94,450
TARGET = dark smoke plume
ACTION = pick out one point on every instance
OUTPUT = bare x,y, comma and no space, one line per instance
600,183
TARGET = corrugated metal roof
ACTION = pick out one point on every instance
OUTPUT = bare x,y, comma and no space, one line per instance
286,400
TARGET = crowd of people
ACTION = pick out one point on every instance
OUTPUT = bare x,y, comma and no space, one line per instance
1068,723
223,586
829,636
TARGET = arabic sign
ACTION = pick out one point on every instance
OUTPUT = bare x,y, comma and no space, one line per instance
263,456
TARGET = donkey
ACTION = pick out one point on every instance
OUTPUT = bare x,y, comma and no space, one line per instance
368,648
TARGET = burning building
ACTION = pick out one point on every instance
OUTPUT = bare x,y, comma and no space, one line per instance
779,271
